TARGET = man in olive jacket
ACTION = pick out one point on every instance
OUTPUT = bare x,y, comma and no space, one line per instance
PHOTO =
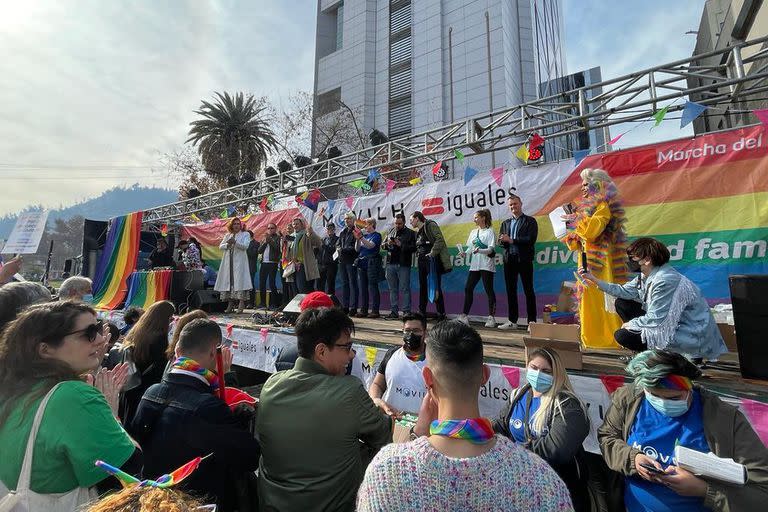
312,420
729,435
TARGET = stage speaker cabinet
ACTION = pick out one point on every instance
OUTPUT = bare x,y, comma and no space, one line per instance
749,296
184,284
207,300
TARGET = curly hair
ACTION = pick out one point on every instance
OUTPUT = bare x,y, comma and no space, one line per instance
146,499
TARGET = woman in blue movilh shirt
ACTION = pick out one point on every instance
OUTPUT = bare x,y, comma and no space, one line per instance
546,416
664,409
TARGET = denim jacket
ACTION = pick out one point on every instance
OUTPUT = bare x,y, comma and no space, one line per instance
665,295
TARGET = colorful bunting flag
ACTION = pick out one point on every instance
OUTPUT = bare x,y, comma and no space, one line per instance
415,181
536,141
469,173
580,154
690,112
616,138
522,153
164,230
349,201
436,168
390,186
512,374
331,206
659,116
498,175
195,218
264,205
373,175
459,156
762,115
358,183
223,214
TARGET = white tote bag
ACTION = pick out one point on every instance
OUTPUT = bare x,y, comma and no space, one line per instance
25,500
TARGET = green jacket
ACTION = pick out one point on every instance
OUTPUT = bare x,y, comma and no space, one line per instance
310,426
728,434
439,247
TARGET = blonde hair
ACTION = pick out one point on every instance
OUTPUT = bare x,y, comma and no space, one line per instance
145,499
371,221
593,176
561,384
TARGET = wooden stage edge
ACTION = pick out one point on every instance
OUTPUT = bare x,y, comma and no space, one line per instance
506,347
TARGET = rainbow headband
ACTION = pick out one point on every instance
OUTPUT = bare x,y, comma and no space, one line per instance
677,382
163,482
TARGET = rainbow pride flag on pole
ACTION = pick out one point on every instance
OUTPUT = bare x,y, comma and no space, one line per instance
117,261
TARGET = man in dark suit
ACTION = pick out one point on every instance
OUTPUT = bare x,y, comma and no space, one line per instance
518,238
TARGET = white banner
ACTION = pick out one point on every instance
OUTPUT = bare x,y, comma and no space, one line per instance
26,234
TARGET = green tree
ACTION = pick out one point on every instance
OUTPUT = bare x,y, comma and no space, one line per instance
234,135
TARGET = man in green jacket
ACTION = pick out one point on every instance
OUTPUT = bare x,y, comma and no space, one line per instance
312,420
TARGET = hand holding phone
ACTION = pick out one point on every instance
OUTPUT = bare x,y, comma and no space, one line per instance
651,469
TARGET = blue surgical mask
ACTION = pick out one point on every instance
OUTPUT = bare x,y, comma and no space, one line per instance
88,298
539,380
667,407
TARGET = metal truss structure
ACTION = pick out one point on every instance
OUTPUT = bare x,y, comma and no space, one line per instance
633,97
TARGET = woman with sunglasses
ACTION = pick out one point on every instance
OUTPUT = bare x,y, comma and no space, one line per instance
44,353
665,409
145,347
547,418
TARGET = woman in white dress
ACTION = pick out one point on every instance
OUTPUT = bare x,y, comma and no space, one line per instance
234,278
480,248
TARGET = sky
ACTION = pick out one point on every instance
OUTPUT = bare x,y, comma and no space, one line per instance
93,92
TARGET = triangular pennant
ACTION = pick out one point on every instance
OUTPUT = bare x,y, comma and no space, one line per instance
580,154
223,214
390,186
164,230
370,355
415,181
690,112
264,333
659,116
612,382
536,141
616,138
229,330
436,168
522,153
469,173
349,201
498,175
762,115
358,183
757,414
373,175
331,206
459,156
512,374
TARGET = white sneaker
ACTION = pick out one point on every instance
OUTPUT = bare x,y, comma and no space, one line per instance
508,326
463,319
491,322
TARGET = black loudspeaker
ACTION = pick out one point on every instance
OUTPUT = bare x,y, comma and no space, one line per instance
207,300
184,284
749,296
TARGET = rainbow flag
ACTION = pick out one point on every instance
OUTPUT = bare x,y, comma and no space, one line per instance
117,261
146,288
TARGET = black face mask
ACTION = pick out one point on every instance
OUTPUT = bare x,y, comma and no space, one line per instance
412,341
633,266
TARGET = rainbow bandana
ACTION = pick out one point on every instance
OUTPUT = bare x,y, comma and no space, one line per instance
415,357
192,367
677,382
474,430
164,481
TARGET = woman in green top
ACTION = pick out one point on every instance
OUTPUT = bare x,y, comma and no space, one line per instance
46,345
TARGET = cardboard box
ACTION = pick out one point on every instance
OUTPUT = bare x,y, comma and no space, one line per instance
401,433
562,332
566,300
728,333
569,351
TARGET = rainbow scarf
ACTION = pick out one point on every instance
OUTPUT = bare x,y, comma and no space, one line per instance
415,357
164,481
677,382
474,430
187,365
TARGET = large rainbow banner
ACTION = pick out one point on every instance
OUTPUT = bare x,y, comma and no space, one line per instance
118,260
706,197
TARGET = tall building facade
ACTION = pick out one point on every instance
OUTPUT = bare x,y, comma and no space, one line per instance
405,66
723,23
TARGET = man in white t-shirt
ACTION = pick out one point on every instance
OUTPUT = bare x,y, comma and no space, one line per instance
399,386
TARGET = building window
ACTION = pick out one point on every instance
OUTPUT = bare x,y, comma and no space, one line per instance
328,102
400,70
339,26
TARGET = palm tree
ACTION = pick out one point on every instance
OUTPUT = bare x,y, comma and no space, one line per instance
234,136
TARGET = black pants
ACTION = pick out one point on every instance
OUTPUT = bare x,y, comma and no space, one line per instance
423,266
627,310
469,290
268,270
327,281
524,269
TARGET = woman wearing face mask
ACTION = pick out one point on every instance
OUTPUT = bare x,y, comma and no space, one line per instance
664,409
43,355
661,308
546,416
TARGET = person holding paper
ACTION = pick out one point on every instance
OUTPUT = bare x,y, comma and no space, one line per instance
517,237
596,234
482,254
663,409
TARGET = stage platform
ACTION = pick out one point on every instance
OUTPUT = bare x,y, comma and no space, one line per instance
506,348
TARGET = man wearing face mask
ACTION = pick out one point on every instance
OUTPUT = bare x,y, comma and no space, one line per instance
399,386
76,288
661,308
665,409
